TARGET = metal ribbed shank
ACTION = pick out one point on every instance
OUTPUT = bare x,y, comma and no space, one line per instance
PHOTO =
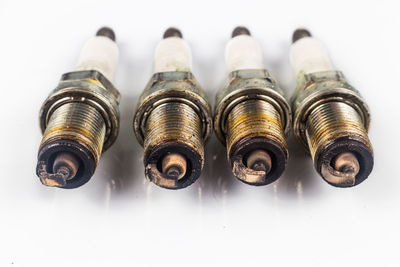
174,122
79,122
254,118
330,121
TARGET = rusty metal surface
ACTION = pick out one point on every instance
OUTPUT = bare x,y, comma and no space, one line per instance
331,118
91,88
242,85
328,123
79,122
171,86
173,116
254,118
169,125
317,88
252,114
80,117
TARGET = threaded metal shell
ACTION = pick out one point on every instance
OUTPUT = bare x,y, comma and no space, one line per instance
330,121
254,118
174,122
79,122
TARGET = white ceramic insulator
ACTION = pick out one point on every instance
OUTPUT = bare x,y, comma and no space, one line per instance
243,52
172,54
309,55
99,53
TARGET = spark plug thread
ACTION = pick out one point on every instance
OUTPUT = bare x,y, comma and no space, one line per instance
176,125
173,119
251,117
80,122
330,118
328,123
251,120
80,118
254,118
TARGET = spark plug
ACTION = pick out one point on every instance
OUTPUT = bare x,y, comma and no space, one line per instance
252,117
331,119
173,119
80,118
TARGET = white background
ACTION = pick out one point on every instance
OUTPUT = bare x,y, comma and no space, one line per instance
119,219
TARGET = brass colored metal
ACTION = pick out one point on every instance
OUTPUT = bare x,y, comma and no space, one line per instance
80,118
79,122
331,118
173,117
252,115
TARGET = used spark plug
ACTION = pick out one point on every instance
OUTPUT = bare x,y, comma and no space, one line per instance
251,116
80,118
330,117
173,119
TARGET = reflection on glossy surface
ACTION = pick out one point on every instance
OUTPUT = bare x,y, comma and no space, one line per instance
121,176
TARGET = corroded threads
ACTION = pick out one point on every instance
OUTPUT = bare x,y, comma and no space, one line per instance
173,128
78,122
330,121
339,144
174,122
255,142
251,119
173,117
